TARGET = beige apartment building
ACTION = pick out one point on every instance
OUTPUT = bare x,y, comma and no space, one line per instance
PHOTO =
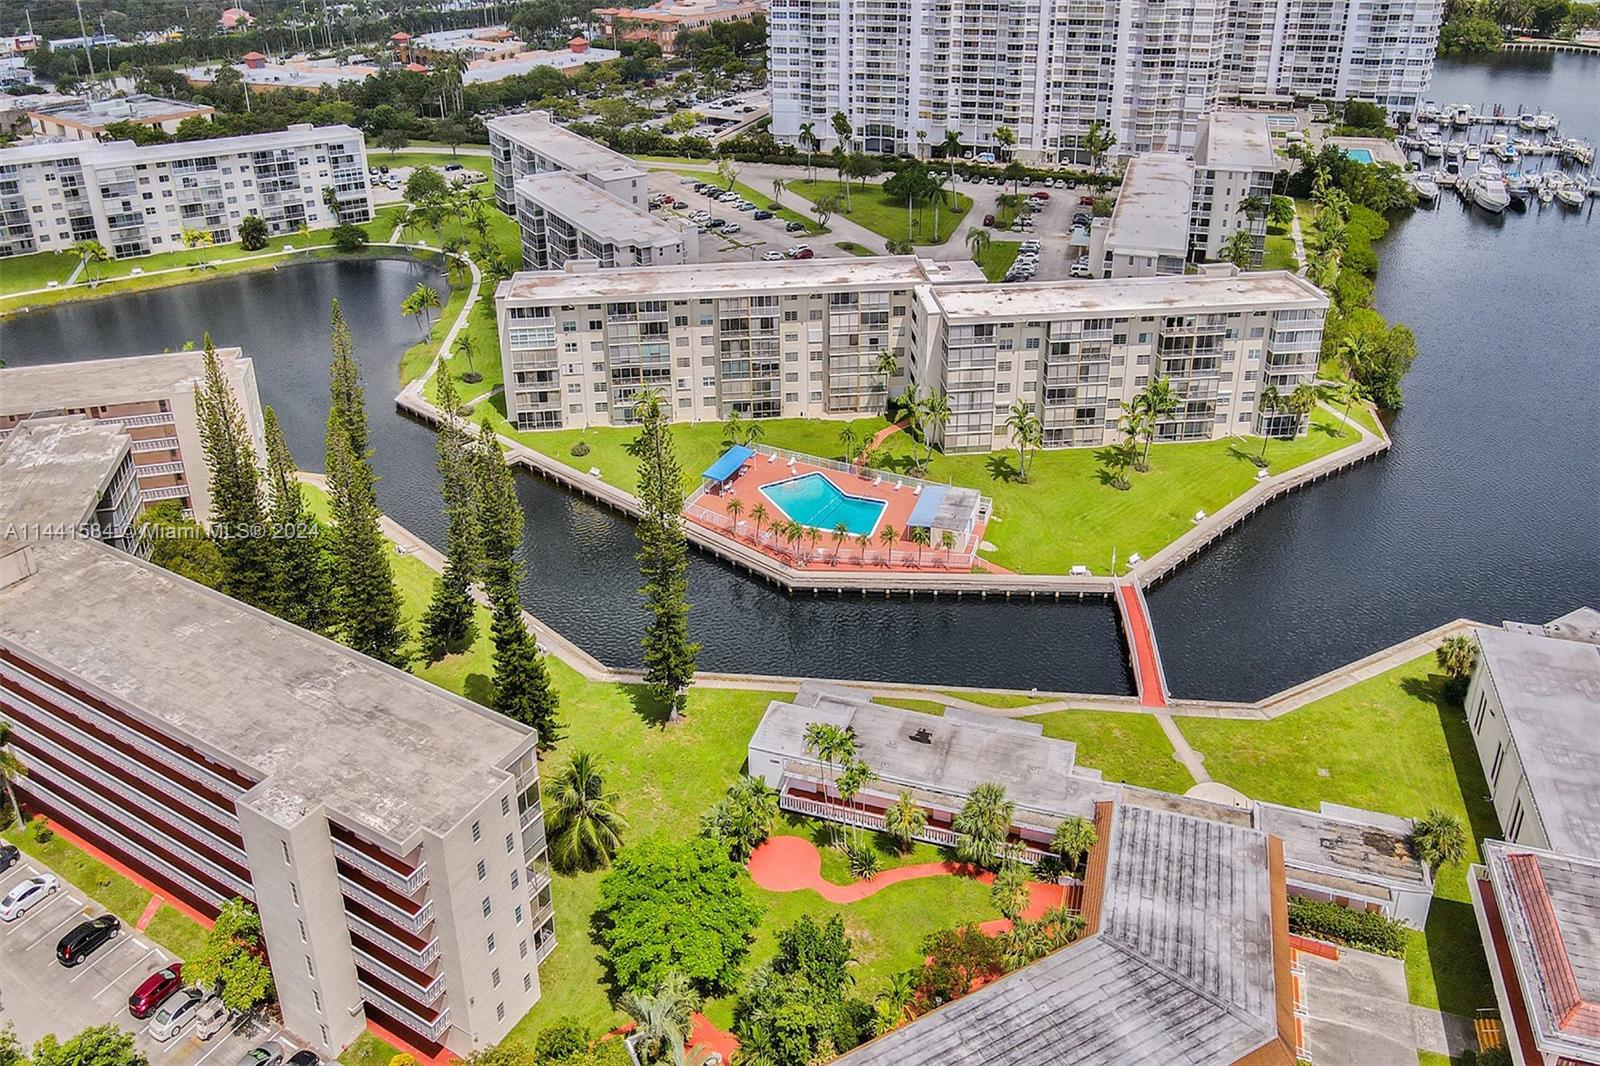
69,476
564,218
389,832
530,142
807,338
152,397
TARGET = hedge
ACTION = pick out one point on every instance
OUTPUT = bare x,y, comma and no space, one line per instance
1365,930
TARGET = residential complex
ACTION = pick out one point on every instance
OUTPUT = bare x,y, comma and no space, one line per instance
660,23
905,75
564,219
86,120
69,476
807,338
137,200
389,833
531,143
151,399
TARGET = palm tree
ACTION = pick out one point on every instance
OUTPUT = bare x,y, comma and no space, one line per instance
863,542
831,746
1027,433
1354,353
952,150
888,366
90,253
947,541
467,348
850,443
778,185
1439,838
585,824
978,240
887,536
935,416
1271,401
759,514
1158,399
662,1018
427,300
1073,839
890,1006
735,509
856,776
1009,892
11,769
1457,657
196,238
809,141
841,533
412,305
984,823
1352,392
792,532
920,536
813,534
905,820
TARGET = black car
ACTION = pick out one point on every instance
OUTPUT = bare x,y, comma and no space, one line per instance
8,857
82,940
762,214
304,1058
795,227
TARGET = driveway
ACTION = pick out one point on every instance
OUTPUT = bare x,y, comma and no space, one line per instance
1359,1012
38,995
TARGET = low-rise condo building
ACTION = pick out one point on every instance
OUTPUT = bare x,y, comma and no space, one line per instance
660,23
151,398
136,200
1148,232
388,832
809,338
86,120
565,219
69,476
531,143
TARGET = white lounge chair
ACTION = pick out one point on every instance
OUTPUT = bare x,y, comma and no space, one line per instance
877,481
896,486
917,491
773,457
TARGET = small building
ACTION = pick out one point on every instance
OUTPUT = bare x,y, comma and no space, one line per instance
661,22
1534,709
1355,858
564,218
1538,913
568,61
1234,170
1148,234
69,477
235,18
263,74
532,143
86,120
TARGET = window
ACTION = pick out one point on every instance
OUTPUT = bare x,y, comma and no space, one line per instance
1483,706
477,832
522,948
487,907
311,971
509,843
1516,821
1499,755
324,1028
494,977
302,931
489,943
519,914
527,982
294,893
285,844
483,871
515,879
500,1012
316,998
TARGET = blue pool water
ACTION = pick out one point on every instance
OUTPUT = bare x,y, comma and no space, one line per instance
1360,155
812,500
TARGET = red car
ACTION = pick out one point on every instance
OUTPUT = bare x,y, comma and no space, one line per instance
155,988
1038,194
1086,201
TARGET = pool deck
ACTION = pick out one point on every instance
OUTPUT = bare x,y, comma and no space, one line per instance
1380,150
710,510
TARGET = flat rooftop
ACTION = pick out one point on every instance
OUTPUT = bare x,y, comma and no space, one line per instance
51,386
1235,140
597,211
53,471
702,280
318,723
950,755
536,131
140,107
1550,910
112,153
1151,216
1131,296
487,70
1182,967
1549,689
1364,845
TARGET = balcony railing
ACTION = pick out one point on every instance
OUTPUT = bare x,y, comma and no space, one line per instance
154,444
414,921
152,469
421,957
543,948
156,418
166,492
406,884
411,1019
428,993
867,819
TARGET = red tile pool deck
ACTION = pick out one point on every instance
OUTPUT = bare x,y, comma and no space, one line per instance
711,512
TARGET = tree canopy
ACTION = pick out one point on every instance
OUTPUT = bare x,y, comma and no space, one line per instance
234,957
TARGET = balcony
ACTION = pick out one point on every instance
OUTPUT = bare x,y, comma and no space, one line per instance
426,987
400,881
415,951
153,469
168,492
156,444
390,905
432,1028
159,418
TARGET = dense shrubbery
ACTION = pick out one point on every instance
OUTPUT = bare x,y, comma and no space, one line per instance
1365,930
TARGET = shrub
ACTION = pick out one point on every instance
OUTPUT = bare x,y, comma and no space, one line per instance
252,233
349,238
40,828
1360,257
1366,930
402,1059
1102,206
864,861
580,449
561,1040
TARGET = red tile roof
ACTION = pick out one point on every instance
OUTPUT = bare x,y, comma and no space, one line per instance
1574,1014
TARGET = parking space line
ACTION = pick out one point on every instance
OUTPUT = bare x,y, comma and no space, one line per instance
24,869
143,956
93,964
74,916
222,1042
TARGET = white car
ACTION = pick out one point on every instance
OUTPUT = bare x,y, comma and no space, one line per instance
732,227
771,257
1080,270
700,216
26,896
175,1012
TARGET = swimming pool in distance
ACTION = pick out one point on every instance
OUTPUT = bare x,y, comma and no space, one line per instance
814,500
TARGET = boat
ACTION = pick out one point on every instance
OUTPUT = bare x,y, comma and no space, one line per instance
1519,188
1454,149
1461,117
1526,120
1544,123
1547,192
1433,149
1507,152
1569,193
1427,188
1474,153
1488,189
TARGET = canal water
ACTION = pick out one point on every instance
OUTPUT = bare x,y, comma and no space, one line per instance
1488,506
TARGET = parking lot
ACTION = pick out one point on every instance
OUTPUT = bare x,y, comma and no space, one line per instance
38,995
754,238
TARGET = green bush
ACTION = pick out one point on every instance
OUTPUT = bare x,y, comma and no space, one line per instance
1365,930
580,448
561,1040
348,238
40,828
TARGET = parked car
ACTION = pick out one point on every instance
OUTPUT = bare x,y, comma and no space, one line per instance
9,857
732,227
771,257
451,167
717,223
988,220
1038,194
211,1018
264,1055
304,1058
1080,270
26,896
795,227
762,214
798,251
1086,201
84,938
154,989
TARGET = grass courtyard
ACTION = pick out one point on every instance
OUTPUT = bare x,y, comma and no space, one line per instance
1397,743
997,257
871,207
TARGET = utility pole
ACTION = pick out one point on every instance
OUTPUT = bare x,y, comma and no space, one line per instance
88,49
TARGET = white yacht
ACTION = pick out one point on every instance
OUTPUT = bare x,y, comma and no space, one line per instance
1474,153
1433,149
1427,187
1544,123
1525,121
1489,189
1461,117
1569,193
1547,191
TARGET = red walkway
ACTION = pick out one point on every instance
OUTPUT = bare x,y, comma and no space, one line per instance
1146,664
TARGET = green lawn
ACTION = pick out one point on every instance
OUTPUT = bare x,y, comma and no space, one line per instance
997,257
170,927
749,192
1066,495
368,1050
19,273
403,158
1123,747
1003,700
1279,254
872,208
906,703
854,249
1396,743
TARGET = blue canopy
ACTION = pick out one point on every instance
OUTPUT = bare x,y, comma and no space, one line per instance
927,508
729,463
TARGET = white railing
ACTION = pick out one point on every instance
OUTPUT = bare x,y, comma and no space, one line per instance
414,922
159,418
866,819
414,1021
428,993
393,878
801,554
154,444
421,958
538,878
174,467
166,492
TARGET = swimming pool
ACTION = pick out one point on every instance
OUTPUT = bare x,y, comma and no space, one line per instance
1359,155
813,500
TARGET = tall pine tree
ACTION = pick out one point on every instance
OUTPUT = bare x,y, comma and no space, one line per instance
250,569
669,654
301,540
366,602
448,621
521,684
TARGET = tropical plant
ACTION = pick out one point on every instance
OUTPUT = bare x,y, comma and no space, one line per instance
921,536
887,365
11,770
1027,434
252,233
1006,138
794,1009
233,959
863,859
850,442
886,537
196,238
759,514
743,818
957,959
661,1018
984,823
1009,891
833,747
1154,402
891,1006
251,569
978,241
467,348
669,654
1097,142
810,143
585,825
1269,403
1439,838
904,819
1240,249
1457,657
841,533
1073,839
90,254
